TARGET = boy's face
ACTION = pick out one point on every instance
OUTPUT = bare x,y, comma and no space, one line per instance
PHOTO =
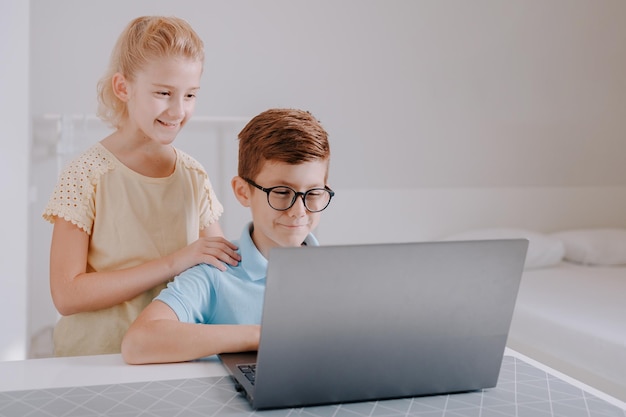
290,227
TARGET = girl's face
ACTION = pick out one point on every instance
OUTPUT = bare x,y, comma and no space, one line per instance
162,98
274,228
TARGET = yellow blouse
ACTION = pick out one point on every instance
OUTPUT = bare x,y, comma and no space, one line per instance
131,219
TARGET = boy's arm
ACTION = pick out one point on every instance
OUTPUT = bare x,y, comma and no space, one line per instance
157,336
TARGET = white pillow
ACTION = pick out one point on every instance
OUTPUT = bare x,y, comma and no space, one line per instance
602,246
543,250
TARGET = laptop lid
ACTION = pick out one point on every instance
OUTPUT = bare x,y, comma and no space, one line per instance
368,322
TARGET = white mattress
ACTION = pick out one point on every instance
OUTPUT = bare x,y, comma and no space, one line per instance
573,318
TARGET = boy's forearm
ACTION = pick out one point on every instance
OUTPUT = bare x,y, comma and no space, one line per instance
162,341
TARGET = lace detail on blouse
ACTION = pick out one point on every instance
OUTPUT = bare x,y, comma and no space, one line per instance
72,197
215,207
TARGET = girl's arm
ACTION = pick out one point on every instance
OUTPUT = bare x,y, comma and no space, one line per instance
157,336
74,290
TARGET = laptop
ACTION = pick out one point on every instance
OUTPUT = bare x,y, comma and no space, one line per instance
380,321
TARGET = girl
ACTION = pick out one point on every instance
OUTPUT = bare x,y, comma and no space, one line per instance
132,211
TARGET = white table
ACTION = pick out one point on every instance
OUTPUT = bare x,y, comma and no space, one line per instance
42,379
79,371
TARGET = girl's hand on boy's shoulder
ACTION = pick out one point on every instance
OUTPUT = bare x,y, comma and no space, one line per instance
216,251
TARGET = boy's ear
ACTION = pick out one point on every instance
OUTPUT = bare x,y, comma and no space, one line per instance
241,190
120,86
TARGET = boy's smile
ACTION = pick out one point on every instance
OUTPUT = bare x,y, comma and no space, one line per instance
290,227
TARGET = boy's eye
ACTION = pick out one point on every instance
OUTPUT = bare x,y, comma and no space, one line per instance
281,192
163,93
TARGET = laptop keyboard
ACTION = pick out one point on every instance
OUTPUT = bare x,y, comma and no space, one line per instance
249,371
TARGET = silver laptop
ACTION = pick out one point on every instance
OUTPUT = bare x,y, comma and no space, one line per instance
381,321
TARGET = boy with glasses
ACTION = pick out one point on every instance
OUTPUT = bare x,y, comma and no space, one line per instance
284,158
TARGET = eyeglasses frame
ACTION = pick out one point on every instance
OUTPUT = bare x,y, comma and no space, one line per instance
297,194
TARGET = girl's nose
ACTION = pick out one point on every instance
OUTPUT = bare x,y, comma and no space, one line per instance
177,108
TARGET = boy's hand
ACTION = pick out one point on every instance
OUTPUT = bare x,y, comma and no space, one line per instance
215,251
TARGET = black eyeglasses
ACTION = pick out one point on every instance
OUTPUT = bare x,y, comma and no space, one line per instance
282,198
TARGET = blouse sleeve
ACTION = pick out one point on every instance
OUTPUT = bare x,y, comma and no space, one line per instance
73,198
210,207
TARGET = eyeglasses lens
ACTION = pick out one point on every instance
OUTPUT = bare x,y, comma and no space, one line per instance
282,198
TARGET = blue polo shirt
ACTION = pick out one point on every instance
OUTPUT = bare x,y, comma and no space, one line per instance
204,294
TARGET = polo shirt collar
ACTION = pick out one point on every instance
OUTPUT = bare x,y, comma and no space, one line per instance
252,261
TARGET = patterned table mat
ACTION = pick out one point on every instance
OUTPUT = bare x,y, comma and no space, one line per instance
522,391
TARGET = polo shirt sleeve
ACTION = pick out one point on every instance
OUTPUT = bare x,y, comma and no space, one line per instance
192,294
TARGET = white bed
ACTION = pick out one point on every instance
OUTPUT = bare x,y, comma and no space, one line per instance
570,312
573,317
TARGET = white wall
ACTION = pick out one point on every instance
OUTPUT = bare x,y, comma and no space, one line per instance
533,91
14,172
428,103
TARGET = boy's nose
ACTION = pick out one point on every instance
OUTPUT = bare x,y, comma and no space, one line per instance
298,209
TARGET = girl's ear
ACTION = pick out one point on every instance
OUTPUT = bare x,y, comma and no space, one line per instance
241,190
120,86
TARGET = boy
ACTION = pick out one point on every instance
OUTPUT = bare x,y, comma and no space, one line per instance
284,158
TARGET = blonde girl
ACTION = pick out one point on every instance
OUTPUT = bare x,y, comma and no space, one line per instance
133,211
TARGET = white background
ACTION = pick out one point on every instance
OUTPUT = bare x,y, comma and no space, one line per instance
432,107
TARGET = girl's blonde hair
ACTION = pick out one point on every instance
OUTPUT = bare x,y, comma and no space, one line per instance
145,39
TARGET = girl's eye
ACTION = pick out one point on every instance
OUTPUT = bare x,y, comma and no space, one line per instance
163,93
